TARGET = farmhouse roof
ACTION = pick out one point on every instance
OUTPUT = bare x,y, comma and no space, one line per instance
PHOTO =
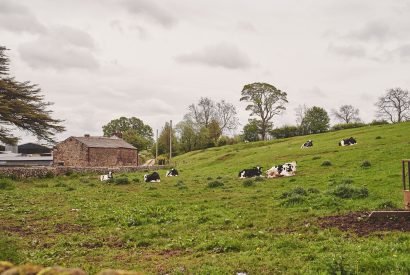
105,142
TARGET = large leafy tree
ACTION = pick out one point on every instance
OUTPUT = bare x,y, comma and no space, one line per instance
264,101
23,107
124,124
394,105
250,131
133,130
315,121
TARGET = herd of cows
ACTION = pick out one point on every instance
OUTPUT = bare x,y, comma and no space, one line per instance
282,170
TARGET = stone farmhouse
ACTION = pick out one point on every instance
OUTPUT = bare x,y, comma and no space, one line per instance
90,151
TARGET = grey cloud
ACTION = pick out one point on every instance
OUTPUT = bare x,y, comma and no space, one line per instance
60,48
378,31
403,52
221,55
17,18
151,10
246,26
350,51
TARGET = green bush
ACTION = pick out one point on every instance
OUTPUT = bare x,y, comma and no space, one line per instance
298,191
215,184
366,164
387,205
248,183
6,184
9,250
122,180
346,192
293,200
343,126
378,122
326,163
378,137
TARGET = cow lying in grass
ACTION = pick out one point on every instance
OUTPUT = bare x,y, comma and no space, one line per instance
250,173
347,142
172,173
106,177
307,144
283,170
153,177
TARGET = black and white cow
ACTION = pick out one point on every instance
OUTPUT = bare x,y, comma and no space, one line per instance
106,177
172,173
307,144
250,173
153,177
347,142
282,170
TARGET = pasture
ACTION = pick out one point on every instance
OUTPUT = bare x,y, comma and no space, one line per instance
207,221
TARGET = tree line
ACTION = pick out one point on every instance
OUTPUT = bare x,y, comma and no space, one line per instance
207,123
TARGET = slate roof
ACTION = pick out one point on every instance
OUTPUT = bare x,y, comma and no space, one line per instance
105,142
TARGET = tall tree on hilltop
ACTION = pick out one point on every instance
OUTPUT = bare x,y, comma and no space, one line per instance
346,114
394,105
23,107
264,101
315,121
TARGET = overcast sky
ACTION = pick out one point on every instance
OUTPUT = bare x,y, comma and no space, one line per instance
99,60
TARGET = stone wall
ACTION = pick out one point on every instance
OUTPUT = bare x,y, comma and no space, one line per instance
42,172
112,157
71,152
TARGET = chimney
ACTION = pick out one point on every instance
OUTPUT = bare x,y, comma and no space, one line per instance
118,134
87,135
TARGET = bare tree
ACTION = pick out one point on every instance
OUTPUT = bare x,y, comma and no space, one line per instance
394,105
346,114
226,116
202,113
301,111
265,101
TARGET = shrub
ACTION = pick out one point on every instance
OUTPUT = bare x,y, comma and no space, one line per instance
6,184
313,190
285,132
122,180
298,191
326,163
248,183
378,137
387,205
347,192
9,250
366,164
209,178
293,200
215,184
342,126
347,181
60,184
378,122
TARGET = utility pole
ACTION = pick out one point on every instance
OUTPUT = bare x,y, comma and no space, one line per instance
156,149
170,142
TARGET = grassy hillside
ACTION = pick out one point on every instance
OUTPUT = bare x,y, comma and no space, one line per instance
208,221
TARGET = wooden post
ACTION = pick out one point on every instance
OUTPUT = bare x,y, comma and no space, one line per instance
156,149
170,142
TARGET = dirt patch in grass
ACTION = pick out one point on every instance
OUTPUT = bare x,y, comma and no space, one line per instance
71,228
362,225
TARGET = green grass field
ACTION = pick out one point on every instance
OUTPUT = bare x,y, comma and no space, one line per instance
207,221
